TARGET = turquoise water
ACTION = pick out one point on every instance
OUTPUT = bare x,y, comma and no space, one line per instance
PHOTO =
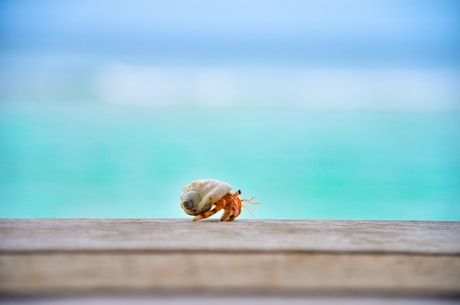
86,160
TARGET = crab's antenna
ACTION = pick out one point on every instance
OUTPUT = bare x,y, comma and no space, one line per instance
249,208
250,200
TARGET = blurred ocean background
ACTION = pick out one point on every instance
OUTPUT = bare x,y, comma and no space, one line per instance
320,109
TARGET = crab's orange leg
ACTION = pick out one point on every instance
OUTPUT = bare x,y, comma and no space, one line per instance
231,204
232,208
217,207
227,211
226,215
236,205
231,212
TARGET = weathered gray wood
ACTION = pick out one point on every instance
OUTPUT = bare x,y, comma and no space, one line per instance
244,235
78,256
224,299
223,272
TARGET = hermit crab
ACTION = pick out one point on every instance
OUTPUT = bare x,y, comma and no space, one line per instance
204,198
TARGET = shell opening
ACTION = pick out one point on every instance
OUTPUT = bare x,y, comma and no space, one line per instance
190,201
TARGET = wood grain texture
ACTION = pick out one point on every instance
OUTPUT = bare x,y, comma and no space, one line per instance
224,272
243,235
78,256
225,299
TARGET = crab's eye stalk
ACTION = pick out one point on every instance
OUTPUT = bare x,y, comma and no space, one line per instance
190,201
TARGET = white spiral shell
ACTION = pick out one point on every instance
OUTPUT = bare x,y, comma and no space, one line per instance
199,196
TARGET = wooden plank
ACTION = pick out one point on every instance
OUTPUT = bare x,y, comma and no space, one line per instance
224,299
32,235
223,272
80,256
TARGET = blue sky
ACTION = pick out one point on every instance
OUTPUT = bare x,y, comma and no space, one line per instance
392,53
391,32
